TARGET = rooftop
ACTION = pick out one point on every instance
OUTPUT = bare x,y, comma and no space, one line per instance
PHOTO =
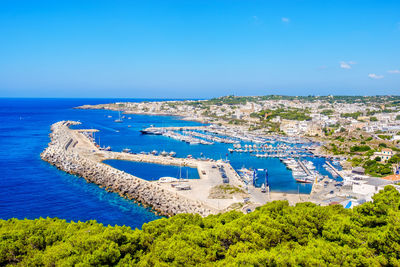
393,177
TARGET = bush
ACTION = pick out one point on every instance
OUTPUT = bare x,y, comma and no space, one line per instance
275,234
361,148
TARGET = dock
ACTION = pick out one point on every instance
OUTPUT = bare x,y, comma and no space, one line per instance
334,169
177,128
305,169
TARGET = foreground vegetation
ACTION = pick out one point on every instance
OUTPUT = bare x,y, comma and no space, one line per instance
275,234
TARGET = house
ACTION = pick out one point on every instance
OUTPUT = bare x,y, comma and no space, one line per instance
385,154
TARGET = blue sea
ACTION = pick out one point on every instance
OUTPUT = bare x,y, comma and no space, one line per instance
31,188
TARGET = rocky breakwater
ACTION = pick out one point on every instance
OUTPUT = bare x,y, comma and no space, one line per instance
73,159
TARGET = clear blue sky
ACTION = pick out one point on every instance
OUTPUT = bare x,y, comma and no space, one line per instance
198,49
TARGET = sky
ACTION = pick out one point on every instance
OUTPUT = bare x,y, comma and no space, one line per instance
198,48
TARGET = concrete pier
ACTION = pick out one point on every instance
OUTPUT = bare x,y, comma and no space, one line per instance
334,169
179,128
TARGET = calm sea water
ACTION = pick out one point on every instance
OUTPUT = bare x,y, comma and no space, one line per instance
31,188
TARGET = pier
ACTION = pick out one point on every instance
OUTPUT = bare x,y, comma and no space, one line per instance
178,128
305,169
334,169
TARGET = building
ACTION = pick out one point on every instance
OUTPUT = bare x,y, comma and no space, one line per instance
394,178
358,170
370,187
385,154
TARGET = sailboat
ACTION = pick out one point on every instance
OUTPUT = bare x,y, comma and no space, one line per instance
119,118
181,186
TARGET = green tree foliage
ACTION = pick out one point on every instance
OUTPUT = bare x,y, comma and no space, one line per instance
327,112
288,114
386,137
361,148
275,234
354,115
375,168
394,159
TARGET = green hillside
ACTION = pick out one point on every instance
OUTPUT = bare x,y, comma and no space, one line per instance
274,234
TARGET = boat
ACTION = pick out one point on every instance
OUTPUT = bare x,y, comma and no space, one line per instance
154,152
167,179
263,188
172,154
126,150
119,119
151,131
303,180
164,153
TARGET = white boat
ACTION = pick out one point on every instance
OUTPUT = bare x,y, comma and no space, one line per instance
119,119
172,153
164,153
263,188
167,179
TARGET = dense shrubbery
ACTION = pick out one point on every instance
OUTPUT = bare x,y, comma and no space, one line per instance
374,168
362,148
288,114
354,115
275,234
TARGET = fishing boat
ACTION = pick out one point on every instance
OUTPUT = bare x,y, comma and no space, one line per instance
126,150
164,153
172,154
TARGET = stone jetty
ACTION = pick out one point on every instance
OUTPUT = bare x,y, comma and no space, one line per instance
70,151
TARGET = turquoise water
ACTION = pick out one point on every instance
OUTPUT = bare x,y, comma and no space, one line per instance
31,188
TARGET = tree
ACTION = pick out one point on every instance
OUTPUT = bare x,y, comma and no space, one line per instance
274,234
